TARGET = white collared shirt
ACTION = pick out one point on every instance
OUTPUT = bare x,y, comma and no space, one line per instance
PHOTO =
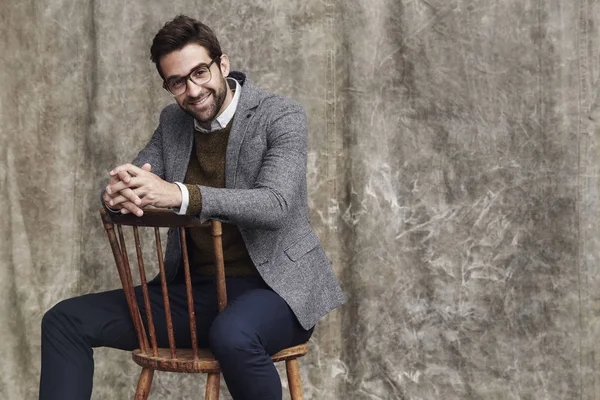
218,123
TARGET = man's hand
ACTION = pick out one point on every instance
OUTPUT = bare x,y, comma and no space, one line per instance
133,188
124,207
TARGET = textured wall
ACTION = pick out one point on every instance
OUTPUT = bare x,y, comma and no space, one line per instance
453,174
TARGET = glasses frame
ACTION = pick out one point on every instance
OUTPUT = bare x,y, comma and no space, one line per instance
188,77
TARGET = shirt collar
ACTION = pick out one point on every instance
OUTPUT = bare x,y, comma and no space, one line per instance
225,117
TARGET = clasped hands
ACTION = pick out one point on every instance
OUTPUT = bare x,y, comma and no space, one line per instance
131,188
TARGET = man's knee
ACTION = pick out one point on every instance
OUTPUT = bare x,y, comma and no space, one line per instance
57,317
56,313
227,338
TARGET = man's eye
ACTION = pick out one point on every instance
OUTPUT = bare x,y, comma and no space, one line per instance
176,84
200,73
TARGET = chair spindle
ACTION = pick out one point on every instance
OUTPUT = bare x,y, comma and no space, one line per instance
144,283
217,233
130,295
190,297
165,292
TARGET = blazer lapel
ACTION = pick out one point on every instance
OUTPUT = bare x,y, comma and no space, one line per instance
249,100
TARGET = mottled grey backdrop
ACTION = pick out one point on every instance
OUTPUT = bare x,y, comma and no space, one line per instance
453,174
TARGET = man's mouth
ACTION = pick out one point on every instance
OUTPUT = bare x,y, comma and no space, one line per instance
200,101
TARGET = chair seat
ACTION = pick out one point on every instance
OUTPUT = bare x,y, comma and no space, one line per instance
206,362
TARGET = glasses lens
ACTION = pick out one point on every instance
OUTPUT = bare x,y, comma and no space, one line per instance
200,75
176,87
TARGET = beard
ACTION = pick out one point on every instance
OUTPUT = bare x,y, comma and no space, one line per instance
208,111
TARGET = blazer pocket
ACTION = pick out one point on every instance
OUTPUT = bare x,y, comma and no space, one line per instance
302,246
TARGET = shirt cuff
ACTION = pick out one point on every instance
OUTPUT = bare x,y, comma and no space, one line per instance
185,199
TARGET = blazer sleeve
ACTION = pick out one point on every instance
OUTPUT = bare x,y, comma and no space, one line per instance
280,180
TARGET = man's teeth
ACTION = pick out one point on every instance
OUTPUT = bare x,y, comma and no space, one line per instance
201,100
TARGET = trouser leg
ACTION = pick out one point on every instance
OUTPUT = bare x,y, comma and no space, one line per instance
69,331
255,325
73,327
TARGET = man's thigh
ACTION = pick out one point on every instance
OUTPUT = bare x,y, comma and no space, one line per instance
264,313
103,319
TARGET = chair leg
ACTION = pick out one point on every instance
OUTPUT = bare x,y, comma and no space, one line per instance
144,383
293,374
212,386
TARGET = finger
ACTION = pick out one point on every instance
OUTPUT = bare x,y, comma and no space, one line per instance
113,180
129,207
110,191
106,198
130,168
116,201
115,171
131,195
147,167
121,198
113,189
124,176
121,185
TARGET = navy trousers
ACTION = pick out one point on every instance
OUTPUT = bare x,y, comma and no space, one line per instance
255,324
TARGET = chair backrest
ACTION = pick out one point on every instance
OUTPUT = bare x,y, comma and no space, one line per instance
158,218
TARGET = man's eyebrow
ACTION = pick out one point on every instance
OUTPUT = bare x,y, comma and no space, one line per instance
172,77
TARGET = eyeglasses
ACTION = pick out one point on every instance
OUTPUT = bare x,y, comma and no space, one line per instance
199,75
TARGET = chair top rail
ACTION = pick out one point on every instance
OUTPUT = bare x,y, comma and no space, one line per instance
154,217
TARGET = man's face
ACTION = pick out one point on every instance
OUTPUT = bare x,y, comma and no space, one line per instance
204,102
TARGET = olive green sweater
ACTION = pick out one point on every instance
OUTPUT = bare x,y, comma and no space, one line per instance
207,168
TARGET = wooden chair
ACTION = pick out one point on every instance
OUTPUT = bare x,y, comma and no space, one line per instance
195,360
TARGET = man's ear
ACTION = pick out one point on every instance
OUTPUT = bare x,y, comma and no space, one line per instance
224,65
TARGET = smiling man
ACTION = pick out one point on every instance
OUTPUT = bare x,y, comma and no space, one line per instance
230,151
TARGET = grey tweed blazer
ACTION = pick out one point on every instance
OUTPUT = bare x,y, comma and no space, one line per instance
264,195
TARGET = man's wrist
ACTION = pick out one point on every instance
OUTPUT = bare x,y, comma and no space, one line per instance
176,197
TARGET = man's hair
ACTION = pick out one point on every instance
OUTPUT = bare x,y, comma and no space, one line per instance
178,33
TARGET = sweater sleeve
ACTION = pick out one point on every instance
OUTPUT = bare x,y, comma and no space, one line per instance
195,200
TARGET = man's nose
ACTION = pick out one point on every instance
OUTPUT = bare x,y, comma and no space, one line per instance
192,89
